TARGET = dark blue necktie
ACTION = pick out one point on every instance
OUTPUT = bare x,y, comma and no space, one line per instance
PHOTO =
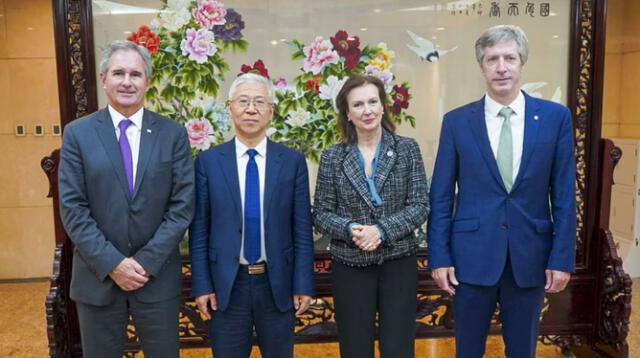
252,210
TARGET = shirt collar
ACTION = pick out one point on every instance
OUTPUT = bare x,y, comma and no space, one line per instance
494,107
241,148
116,117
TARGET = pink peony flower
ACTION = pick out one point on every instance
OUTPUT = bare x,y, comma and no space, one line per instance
210,13
200,133
280,83
319,54
198,45
385,76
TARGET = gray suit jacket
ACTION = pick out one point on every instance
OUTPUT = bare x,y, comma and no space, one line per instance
342,196
106,225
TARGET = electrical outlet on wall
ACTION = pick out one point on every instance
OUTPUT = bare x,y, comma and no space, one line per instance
20,130
38,130
55,130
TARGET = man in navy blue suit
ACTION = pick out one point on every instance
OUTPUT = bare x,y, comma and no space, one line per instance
507,235
250,242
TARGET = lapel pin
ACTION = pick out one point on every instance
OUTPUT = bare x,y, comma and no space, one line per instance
535,118
149,130
389,154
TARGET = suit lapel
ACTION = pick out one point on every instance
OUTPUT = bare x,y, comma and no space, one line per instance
478,126
272,168
107,134
228,163
386,159
531,125
353,172
148,137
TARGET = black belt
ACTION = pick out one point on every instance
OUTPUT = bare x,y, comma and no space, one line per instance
256,269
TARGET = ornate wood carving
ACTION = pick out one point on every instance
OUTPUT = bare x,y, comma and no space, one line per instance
614,284
616,297
75,60
582,92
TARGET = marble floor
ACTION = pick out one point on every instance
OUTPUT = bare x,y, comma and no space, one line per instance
23,330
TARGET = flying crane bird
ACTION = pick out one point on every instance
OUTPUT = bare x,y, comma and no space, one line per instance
426,49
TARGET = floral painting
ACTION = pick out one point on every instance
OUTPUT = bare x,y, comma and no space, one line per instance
306,117
187,42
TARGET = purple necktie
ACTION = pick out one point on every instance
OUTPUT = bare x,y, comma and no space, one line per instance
125,152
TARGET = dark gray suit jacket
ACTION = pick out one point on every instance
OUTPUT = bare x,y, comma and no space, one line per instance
106,225
342,196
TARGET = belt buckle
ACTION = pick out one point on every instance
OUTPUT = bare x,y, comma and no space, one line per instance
256,269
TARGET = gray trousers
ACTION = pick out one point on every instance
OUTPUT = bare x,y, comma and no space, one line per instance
103,329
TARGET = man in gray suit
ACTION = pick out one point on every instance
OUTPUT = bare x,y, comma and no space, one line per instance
126,184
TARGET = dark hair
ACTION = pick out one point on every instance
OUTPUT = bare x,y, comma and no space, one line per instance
347,129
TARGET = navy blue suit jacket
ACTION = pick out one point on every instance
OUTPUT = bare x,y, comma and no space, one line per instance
216,232
535,223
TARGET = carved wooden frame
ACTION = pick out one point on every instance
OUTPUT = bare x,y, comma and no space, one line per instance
592,313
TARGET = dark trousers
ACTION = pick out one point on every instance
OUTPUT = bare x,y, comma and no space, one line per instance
519,312
388,289
252,307
103,328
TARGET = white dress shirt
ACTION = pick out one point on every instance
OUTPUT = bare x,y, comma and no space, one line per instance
242,158
494,127
133,134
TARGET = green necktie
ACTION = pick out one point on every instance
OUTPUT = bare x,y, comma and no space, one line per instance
505,149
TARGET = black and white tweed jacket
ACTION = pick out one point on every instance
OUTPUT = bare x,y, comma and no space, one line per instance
342,196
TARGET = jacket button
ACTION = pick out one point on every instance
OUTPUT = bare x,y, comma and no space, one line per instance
510,197
129,245
505,226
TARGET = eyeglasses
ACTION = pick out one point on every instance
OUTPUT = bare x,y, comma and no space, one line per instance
259,103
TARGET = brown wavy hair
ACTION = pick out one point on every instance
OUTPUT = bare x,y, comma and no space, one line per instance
348,134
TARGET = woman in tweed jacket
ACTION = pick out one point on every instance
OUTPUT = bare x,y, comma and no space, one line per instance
371,195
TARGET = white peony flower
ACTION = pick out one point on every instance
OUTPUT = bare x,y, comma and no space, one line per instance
330,90
175,19
298,118
178,4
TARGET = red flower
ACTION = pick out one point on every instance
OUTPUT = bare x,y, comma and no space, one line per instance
400,97
347,47
145,37
258,68
314,84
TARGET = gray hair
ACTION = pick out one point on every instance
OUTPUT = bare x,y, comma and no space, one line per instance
116,46
495,34
253,77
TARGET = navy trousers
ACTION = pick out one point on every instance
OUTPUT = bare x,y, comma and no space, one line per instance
519,312
252,307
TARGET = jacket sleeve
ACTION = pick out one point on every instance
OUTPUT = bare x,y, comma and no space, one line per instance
443,183
201,279
303,283
416,209
563,199
325,203
98,253
179,210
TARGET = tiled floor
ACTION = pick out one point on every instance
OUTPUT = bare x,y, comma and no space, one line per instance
23,330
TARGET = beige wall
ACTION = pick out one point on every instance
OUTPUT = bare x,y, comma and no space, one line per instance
621,114
29,96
